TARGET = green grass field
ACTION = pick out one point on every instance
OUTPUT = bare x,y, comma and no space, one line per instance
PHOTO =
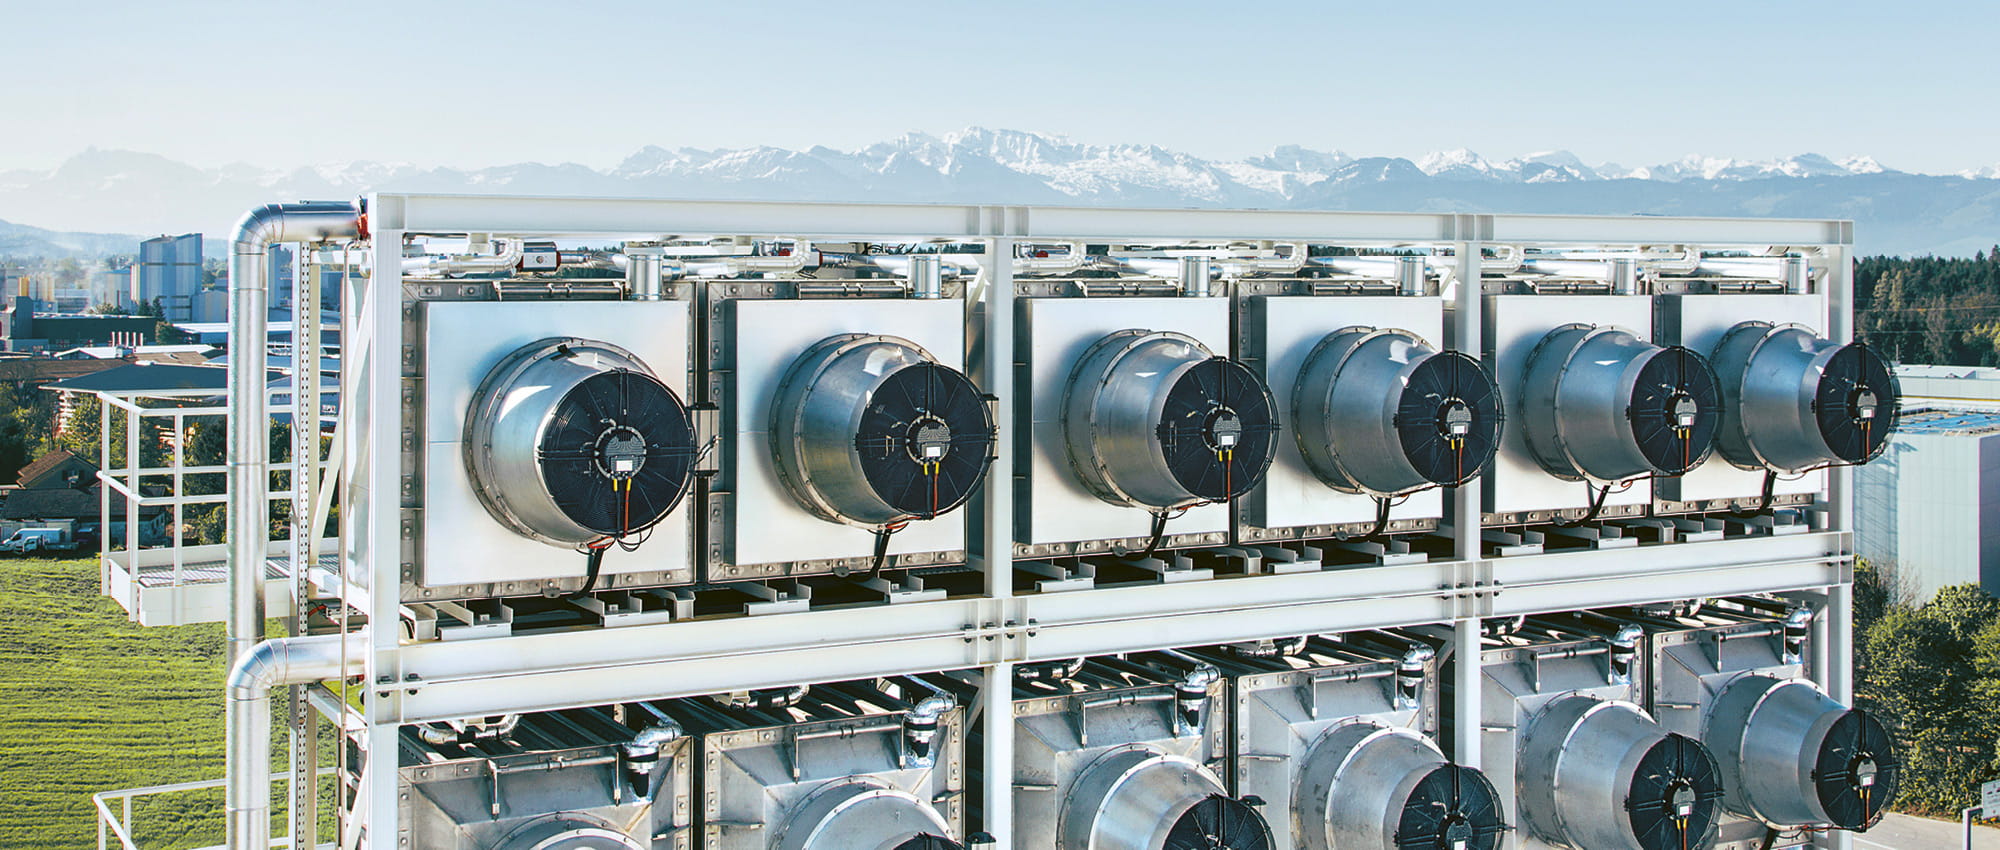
90,702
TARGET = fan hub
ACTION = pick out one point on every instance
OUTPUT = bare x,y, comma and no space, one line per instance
620,452
1861,404
929,439
1223,429
1682,409
1681,798
1457,832
1454,418
1863,769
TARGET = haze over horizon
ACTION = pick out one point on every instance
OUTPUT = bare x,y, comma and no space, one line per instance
477,84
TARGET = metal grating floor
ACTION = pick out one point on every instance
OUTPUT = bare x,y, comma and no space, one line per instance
207,572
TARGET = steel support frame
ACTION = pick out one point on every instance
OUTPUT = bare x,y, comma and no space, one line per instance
992,633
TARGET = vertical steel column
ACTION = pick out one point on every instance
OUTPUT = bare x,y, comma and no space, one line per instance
1837,676
379,467
305,538
1467,335
996,359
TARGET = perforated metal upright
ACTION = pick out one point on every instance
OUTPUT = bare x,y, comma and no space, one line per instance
410,681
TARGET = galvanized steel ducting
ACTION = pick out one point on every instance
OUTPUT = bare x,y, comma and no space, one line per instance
1791,755
871,430
1367,786
1156,420
1380,411
1792,400
1600,404
1599,774
570,441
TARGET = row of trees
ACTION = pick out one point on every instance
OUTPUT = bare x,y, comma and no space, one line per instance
1931,670
1940,310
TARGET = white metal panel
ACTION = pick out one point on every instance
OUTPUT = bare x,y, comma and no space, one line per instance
464,340
1515,324
770,334
1055,333
1701,321
1291,494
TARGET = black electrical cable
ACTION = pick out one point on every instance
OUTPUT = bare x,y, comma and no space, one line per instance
1596,505
882,536
1154,537
594,553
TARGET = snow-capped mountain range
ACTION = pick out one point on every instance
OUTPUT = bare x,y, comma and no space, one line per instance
1897,212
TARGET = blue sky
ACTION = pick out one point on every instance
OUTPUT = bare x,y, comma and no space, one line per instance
481,83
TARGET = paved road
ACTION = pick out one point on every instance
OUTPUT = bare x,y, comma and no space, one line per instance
1903,832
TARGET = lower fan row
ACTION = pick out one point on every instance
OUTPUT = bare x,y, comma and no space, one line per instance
1328,742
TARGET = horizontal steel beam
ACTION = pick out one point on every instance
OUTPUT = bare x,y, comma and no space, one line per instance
650,218
590,667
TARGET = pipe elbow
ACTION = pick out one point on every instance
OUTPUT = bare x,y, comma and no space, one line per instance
652,738
307,221
257,670
293,661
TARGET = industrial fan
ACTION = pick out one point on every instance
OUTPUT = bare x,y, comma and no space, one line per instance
1599,404
930,842
1856,403
1219,823
1675,795
872,431
1451,807
1216,429
1154,420
1378,411
1674,408
1856,774
572,442
1793,401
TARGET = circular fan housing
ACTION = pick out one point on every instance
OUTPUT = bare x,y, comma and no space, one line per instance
1597,774
862,812
1761,724
568,831
570,440
1154,420
1600,404
1381,412
1138,798
873,430
1366,786
1791,400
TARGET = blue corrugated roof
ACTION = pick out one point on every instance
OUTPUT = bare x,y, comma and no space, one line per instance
1949,422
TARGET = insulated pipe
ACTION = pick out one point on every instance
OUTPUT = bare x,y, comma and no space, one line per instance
249,480
271,664
432,266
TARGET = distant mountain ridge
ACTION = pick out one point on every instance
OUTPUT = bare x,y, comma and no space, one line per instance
1895,211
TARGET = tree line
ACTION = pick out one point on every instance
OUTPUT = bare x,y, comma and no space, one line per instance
1932,310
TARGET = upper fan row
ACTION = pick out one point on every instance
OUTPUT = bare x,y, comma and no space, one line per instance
834,436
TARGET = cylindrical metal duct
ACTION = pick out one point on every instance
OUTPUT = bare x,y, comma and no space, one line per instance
1138,798
1601,404
571,440
1598,774
1792,400
1791,755
872,430
1154,420
1366,786
569,831
1380,411
862,813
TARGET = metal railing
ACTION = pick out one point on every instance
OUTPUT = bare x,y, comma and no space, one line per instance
119,825
168,562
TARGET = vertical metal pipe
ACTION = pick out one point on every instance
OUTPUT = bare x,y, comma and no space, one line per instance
248,744
1468,713
643,274
1194,277
926,276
